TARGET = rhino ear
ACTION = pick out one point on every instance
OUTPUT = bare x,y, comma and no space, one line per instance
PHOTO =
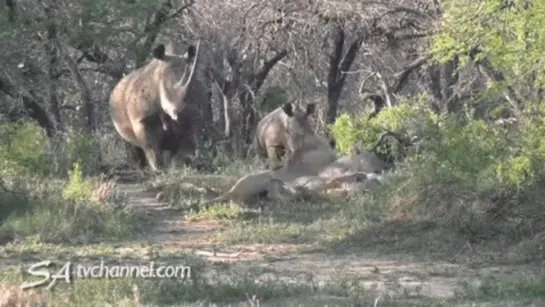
288,109
190,53
159,52
311,107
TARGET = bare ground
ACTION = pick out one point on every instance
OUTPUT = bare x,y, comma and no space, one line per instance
385,275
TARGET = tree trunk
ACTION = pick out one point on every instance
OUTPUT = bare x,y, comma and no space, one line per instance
53,62
338,66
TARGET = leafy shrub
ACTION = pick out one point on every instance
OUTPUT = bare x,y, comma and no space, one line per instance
44,208
462,168
84,149
408,118
12,201
23,149
77,188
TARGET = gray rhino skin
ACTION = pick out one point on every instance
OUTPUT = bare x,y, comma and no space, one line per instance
155,107
271,136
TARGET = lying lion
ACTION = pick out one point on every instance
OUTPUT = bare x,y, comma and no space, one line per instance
312,165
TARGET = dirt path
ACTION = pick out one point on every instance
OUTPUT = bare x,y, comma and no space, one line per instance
393,276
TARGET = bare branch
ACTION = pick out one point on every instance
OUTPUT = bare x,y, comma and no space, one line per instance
227,117
32,105
494,75
387,90
404,9
402,76
261,75
84,89
152,29
68,107
350,56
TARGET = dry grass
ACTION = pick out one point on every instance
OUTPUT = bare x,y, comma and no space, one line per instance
14,296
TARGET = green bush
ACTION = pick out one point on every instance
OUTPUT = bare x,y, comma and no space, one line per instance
84,149
460,165
77,188
524,164
408,118
44,209
474,152
23,149
12,201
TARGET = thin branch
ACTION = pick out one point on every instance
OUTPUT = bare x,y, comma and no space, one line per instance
510,95
350,56
388,92
33,106
152,29
227,117
84,89
402,76
261,75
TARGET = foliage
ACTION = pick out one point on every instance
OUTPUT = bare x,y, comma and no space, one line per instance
13,201
458,162
83,149
77,188
524,164
408,118
509,34
23,149
38,208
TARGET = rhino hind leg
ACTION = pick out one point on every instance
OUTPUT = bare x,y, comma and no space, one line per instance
135,154
140,156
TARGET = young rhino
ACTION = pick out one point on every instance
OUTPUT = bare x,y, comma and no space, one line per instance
271,137
149,101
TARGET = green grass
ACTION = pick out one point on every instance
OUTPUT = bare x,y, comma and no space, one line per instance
42,224
229,211
371,221
161,292
41,210
239,289
519,288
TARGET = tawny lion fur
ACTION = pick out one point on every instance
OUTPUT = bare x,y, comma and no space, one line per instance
312,164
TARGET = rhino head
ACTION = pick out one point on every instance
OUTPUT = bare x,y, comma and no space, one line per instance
175,77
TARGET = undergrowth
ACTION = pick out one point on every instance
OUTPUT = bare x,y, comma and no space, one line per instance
469,174
78,210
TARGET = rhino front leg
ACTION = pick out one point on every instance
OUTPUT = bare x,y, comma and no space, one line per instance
150,145
272,157
187,152
154,159
280,152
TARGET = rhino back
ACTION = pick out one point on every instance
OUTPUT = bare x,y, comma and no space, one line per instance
135,97
141,93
